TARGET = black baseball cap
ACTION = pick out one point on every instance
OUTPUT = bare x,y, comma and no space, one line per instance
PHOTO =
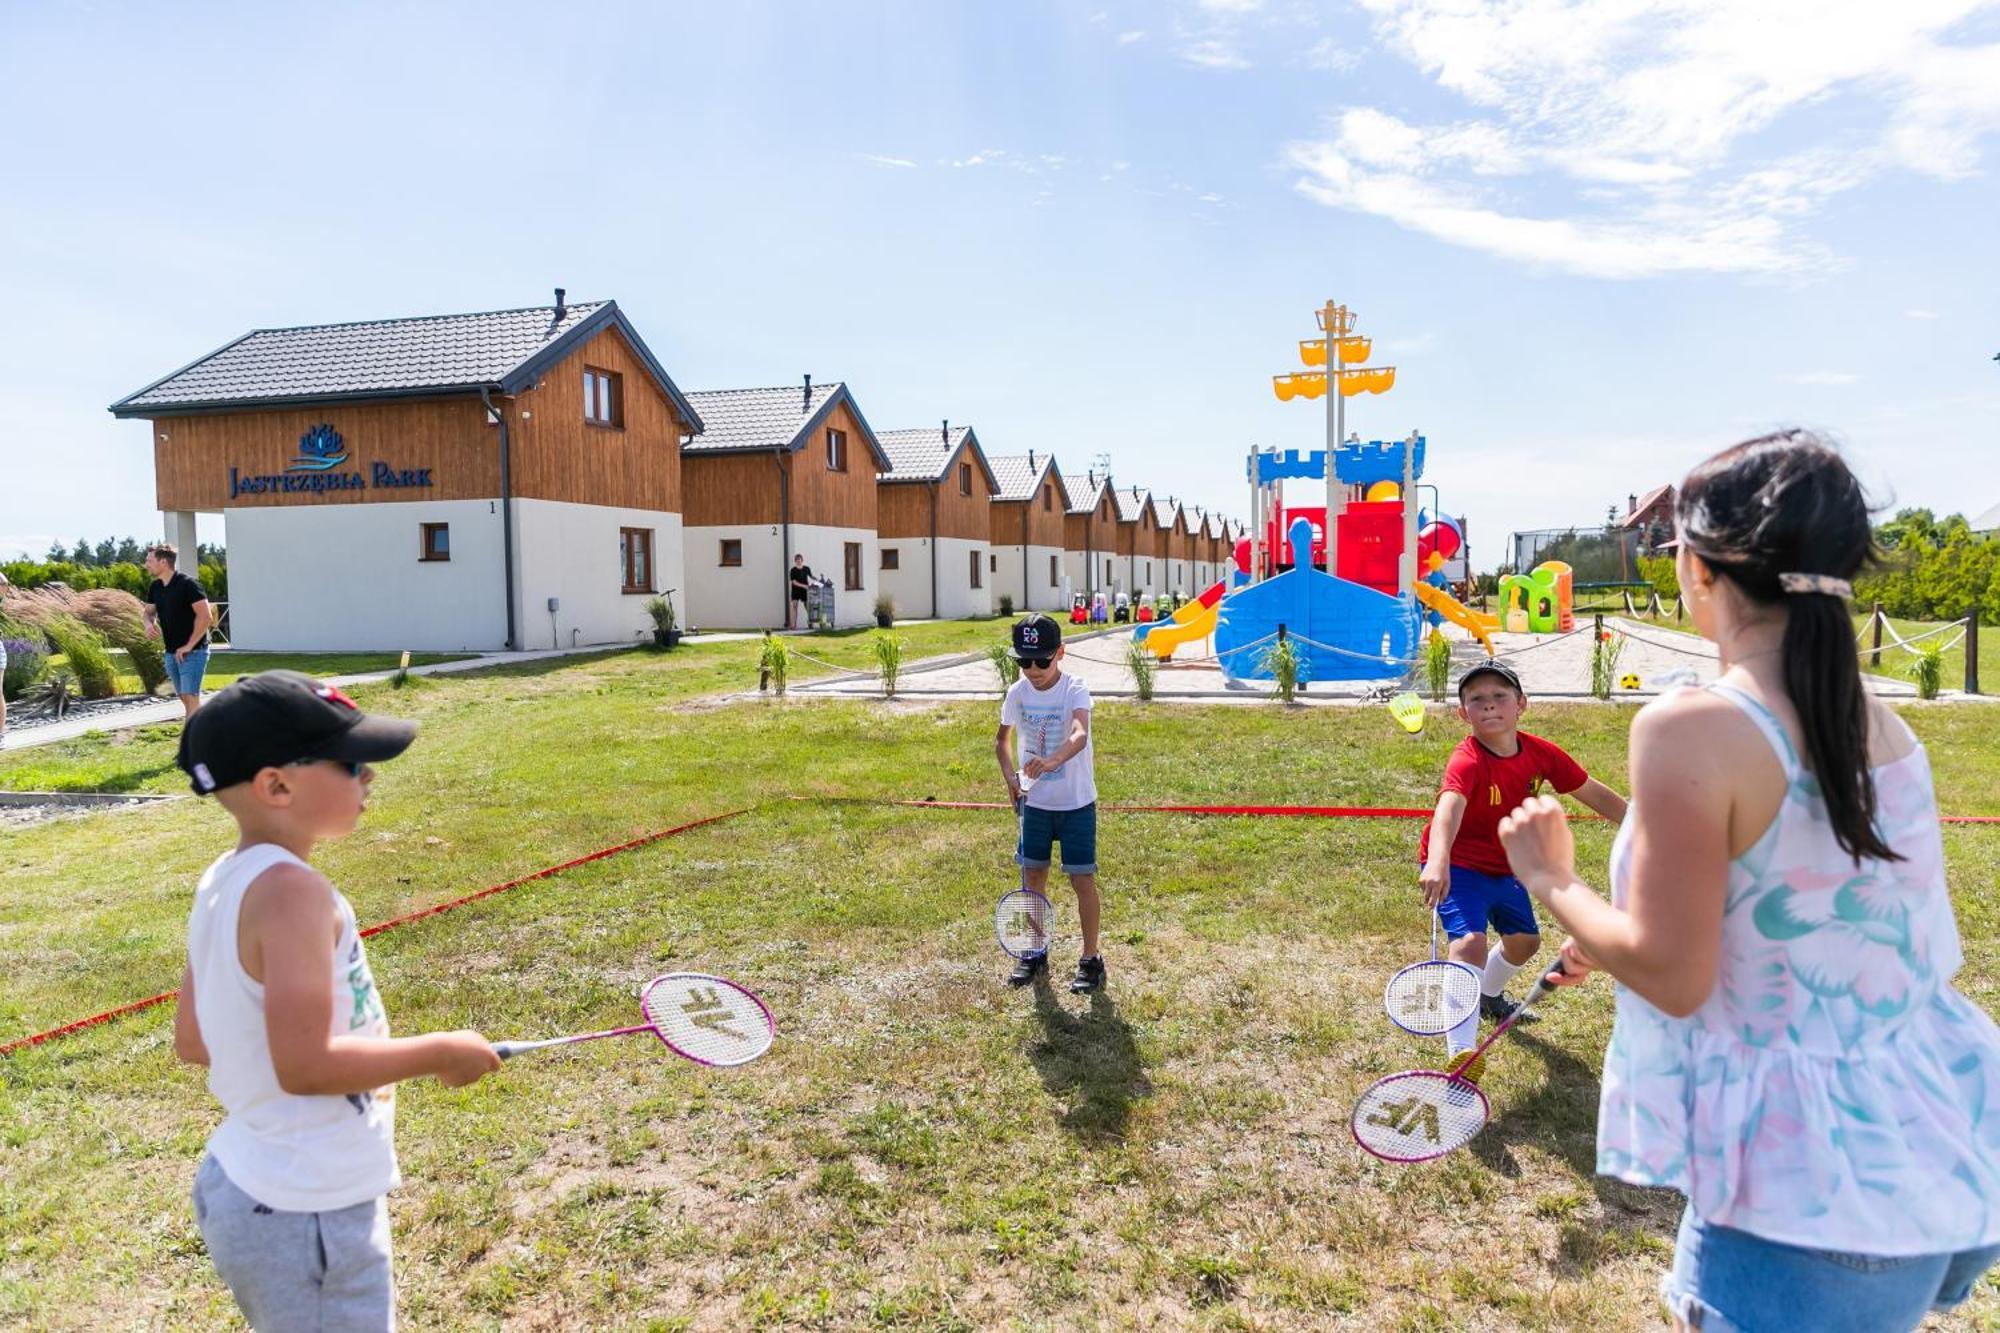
1492,666
1036,636
281,717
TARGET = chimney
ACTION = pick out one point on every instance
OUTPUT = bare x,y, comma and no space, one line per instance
1031,460
561,307
944,431
1631,503
1092,474
806,402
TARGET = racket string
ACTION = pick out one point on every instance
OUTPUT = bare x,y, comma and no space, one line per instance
1434,997
708,1019
1417,1116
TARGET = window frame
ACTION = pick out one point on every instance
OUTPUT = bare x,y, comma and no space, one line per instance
892,558
614,396
851,563
428,552
722,560
965,478
1055,571
836,449
631,540
976,571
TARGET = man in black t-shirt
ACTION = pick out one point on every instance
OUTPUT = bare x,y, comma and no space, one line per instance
178,614
801,576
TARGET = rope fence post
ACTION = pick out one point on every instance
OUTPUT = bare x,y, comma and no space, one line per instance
1680,608
1972,652
1875,632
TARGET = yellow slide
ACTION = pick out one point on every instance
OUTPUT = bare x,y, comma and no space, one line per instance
1457,612
1167,635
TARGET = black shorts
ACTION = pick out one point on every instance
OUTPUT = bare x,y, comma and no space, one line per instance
798,594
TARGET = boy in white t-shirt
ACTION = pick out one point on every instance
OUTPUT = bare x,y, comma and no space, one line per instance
278,1002
1058,799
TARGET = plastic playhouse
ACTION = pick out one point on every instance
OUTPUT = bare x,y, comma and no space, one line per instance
1538,602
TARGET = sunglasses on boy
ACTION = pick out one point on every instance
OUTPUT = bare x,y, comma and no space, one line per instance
355,768
1037,663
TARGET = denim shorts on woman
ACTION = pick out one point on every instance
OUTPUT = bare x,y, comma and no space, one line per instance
1729,1281
1076,830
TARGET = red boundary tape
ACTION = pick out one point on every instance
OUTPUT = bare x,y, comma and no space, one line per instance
1264,811
435,909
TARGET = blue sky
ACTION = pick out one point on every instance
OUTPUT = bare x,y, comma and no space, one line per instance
1598,240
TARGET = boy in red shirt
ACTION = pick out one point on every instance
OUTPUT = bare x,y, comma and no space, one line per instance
1465,876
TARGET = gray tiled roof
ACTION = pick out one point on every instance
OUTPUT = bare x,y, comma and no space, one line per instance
920,455
387,358
757,418
1020,476
1130,501
1163,512
1083,491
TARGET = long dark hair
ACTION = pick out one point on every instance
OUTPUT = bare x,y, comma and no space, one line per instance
1787,504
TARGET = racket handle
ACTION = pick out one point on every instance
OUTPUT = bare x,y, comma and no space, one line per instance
507,1050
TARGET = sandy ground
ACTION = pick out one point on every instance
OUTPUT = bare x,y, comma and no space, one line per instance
1550,665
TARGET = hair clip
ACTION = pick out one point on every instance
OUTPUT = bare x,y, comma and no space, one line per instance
1825,584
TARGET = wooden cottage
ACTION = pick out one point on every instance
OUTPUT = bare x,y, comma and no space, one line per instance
1029,516
932,520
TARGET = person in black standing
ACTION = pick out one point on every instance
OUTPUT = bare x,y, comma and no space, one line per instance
801,575
178,614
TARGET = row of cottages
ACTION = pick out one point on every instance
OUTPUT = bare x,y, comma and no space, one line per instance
532,478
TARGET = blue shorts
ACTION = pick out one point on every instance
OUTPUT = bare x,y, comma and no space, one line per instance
1076,830
1729,1281
1477,898
186,676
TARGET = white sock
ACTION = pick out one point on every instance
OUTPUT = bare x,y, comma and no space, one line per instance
1463,1037
1498,973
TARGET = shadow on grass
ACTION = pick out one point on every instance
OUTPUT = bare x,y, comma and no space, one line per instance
1092,1058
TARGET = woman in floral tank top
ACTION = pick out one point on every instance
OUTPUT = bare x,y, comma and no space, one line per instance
1789,1051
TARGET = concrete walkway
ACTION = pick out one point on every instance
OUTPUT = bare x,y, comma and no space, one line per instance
169,710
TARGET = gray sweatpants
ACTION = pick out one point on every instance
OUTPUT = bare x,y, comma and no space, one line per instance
298,1272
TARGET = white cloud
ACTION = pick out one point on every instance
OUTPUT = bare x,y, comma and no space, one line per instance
1213,53
1231,6
1635,134
1920,314
1329,56
1823,377
1135,35
878,160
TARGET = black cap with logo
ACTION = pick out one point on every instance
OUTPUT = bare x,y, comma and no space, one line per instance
1036,636
1492,666
276,718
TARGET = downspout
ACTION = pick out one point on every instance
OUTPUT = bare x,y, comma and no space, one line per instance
934,499
785,529
1026,605
499,418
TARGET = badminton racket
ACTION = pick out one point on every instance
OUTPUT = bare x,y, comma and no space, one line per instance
1023,919
709,1020
1433,997
1423,1114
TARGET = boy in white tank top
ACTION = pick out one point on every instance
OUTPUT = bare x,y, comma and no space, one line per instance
280,1006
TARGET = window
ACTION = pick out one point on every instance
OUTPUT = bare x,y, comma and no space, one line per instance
975,567
436,543
1055,580
1048,498
1107,569
891,558
853,560
992,563
836,451
732,552
603,397
635,552
965,478
1149,568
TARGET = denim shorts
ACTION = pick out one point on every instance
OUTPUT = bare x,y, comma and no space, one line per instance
1076,830
1476,898
186,676
1729,1281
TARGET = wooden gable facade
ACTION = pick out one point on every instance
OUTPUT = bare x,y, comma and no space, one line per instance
743,486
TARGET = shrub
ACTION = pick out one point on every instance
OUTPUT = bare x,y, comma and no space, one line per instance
1928,670
1437,665
885,609
119,617
662,612
88,657
1604,654
1007,604
1002,657
1139,663
1283,660
774,664
889,658
27,659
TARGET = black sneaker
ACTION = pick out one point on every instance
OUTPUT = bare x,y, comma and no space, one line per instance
1027,970
1089,976
1499,1009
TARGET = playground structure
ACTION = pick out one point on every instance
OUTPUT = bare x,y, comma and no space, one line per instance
1540,601
1352,582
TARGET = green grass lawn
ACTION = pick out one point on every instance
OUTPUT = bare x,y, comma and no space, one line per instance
923,1149
226,664
1894,661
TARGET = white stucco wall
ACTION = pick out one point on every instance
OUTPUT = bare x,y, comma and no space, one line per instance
1038,594
1180,578
570,552
752,595
346,577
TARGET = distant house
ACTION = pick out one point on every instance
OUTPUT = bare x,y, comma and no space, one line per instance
932,523
780,472
1988,521
1651,516
1090,533
505,479
1176,573
1138,541
1029,515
